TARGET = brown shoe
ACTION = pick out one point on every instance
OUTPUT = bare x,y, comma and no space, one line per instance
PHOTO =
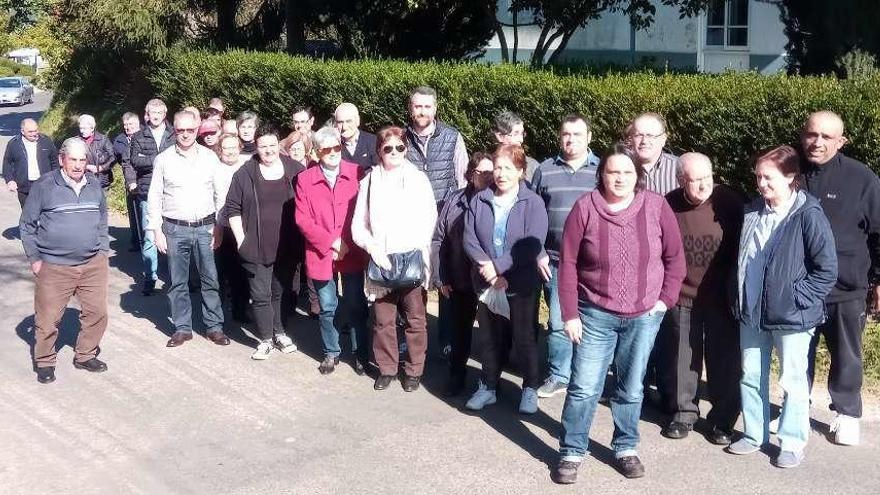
178,339
218,337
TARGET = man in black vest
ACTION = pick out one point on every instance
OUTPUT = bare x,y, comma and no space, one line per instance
434,147
28,156
131,123
357,146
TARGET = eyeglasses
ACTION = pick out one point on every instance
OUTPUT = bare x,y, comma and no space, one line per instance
185,131
647,137
388,148
331,149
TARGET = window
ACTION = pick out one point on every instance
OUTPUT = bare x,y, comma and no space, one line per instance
727,23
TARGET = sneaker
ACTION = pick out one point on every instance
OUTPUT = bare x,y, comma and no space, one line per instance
264,349
630,466
788,459
148,288
482,397
528,404
742,447
845,429
565,472
328,365
551,387
284,343
773,427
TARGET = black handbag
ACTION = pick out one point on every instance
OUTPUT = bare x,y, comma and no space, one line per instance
407,270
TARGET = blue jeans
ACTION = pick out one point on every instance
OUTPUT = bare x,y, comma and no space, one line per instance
793,348
186,245
354,312
606,338
149,253
559,346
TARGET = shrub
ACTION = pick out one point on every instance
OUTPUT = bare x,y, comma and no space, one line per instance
12,68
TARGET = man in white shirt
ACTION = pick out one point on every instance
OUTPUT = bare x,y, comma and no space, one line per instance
181,216
28,156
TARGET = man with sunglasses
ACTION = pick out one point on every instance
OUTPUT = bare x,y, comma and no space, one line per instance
181,217
433,147
560,181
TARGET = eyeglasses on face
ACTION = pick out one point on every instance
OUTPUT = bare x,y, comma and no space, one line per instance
184,130
647,137
331,149
388,148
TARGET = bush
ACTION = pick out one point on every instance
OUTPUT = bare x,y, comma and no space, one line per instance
12,68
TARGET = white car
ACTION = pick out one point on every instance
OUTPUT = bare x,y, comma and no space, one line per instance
15,90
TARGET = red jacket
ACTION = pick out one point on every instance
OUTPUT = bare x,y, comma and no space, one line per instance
324,215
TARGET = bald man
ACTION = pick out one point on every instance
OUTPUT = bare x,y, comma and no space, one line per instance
850,196
710,219
28,156
357,146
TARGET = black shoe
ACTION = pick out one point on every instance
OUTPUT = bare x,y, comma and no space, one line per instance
149,287
411,383
382,382
46,375
676,430
328,365
565,472
359,368
630,466
454,387
719,436
94,365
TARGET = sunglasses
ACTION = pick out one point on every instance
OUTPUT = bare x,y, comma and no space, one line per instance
185,131
387,149
331,149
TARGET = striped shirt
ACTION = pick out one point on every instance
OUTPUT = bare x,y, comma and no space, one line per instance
560,186
662,177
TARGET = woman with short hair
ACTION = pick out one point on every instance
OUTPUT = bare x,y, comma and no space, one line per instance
247,123
100,157
298,145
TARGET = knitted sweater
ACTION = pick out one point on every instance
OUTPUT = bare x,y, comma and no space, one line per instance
623,262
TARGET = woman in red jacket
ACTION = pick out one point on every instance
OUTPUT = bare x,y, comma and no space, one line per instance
325,200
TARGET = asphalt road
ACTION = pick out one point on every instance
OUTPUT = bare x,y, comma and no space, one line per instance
205,419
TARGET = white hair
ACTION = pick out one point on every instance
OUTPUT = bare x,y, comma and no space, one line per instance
86,119
325,135
70,143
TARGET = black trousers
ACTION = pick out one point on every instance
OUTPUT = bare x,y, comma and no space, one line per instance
271,289
686,337
843,332
463,308
494,333
22,197
135,232
231,274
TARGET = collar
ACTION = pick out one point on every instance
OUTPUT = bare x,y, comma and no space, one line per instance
344,171
589,159
782,209
67,180
354,139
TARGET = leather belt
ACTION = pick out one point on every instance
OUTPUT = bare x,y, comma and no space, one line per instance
208,220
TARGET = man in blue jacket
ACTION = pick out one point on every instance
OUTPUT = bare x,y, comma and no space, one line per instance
64,233
28,156
850,196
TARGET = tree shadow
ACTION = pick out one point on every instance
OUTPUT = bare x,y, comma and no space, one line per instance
68,330
10,123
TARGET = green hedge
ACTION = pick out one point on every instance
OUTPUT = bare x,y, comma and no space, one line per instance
726,116
11,68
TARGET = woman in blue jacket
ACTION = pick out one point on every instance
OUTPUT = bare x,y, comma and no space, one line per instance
504,236
787,265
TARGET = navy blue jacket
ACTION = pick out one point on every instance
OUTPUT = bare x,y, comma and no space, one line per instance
523,245
364,153
15,160
137,164
448,257
800,270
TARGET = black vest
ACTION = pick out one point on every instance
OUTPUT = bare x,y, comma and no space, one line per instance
438,164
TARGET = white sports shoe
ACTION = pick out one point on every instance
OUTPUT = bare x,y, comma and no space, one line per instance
482,397
528,404
263,351
284,344
845,429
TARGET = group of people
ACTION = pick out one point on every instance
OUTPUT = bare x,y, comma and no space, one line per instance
649,268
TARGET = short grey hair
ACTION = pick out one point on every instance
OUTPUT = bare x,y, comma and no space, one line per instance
156,104
423,90
505,122
247,115
70,143
185,113
130,115
86,119
325,135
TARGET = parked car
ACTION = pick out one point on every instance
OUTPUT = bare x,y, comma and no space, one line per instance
16,90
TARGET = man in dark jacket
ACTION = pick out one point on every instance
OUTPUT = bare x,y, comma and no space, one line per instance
64,233
131,123
137,166
850,196
357,146
433,147
28,156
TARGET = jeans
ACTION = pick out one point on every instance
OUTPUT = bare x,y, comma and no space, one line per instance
149,253
607,337
271,289
354,312
792,347
186,245
559,346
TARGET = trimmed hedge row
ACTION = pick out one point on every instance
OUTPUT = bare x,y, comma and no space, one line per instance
728,116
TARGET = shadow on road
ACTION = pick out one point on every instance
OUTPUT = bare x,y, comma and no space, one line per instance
10,123
68,330
12,233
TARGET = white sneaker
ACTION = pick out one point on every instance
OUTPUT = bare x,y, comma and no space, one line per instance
263,351
482,397
773,427
845,429
528,404
284,344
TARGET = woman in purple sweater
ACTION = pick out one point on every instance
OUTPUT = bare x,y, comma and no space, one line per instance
621,266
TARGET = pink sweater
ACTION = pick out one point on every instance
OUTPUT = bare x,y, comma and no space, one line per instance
623,262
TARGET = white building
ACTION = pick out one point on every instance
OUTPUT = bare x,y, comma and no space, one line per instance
733,34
